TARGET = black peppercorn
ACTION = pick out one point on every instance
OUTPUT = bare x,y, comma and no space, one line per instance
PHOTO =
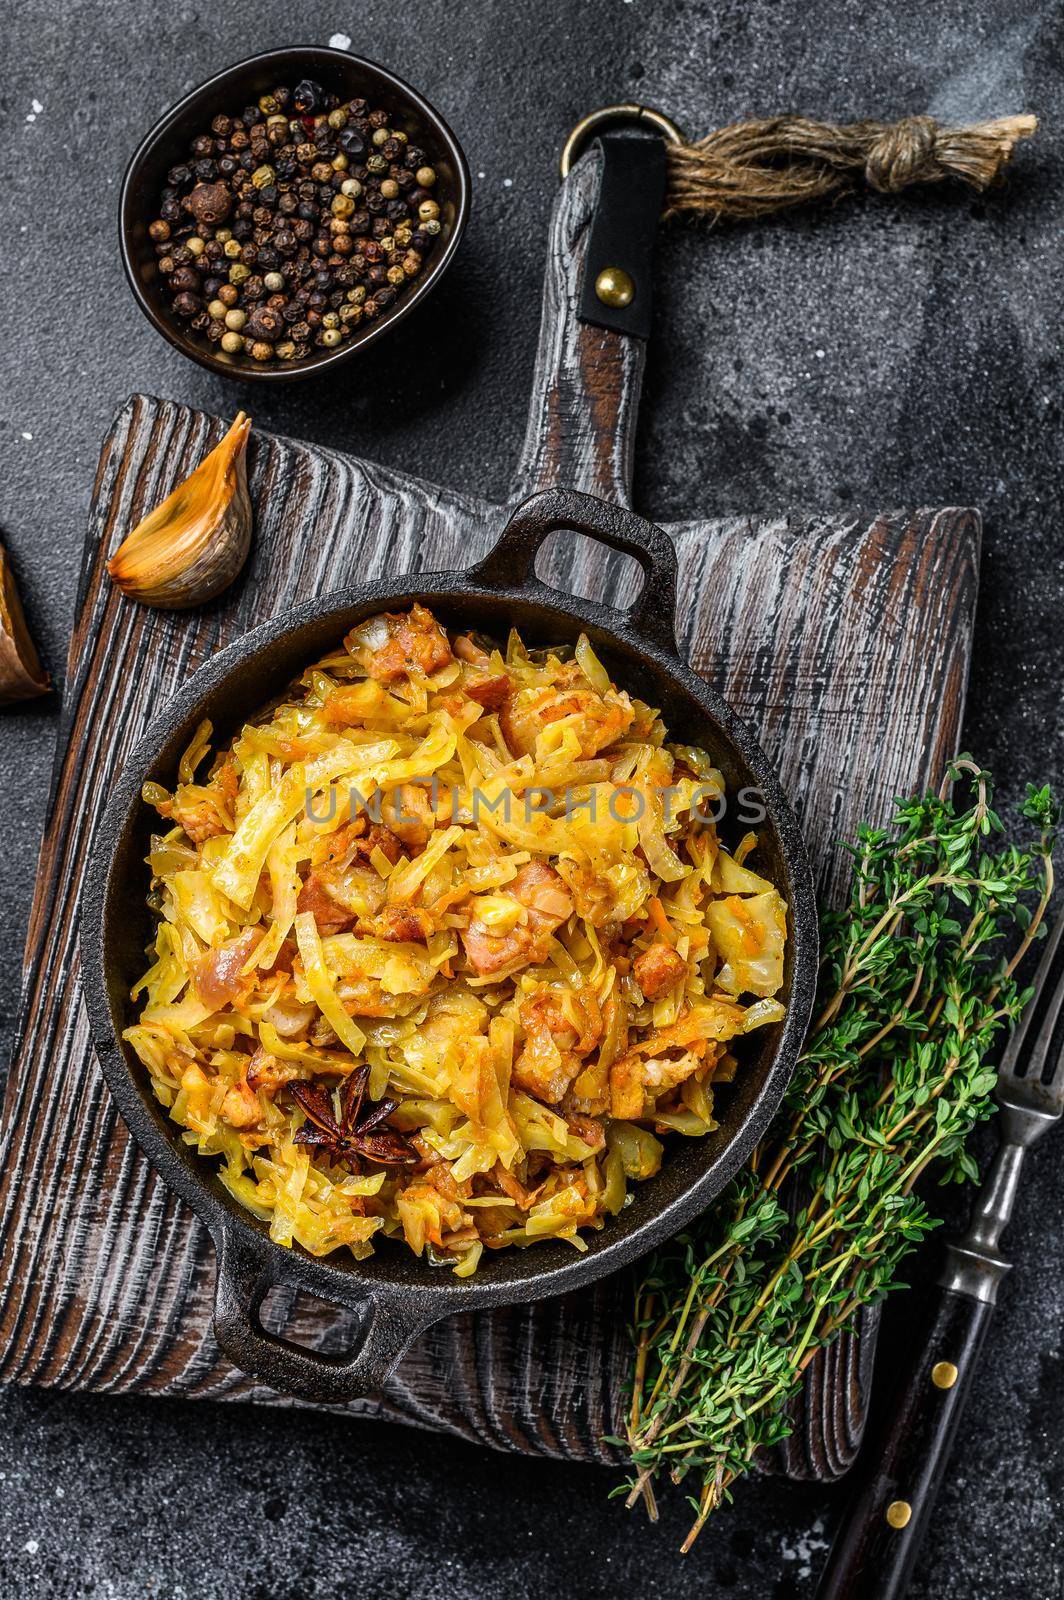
184,278
351,142
180,177
202,146
264,323
186,305
209,203
204,171
308,97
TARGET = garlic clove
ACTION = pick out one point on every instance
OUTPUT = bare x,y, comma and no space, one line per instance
192,546
21,675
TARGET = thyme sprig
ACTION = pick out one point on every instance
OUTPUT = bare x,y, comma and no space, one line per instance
918,980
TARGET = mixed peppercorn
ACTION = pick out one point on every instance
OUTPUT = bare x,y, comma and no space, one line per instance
293,223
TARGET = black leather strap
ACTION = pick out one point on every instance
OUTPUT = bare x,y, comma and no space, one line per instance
624,228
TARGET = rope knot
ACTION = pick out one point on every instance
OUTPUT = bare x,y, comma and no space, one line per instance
904,153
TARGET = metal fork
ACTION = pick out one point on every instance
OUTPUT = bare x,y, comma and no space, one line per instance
901,1465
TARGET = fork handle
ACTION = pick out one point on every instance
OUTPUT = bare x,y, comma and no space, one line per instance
901,1465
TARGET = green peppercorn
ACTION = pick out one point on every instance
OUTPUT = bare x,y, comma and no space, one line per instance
262,176
268,105
357,295
337,118
238,272
430,227
396,275
330,337
285,350
380,136
232,248
223,235
376,163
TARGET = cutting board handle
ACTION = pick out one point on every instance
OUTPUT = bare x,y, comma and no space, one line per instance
587,380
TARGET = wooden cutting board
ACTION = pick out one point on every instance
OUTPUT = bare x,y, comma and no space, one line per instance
845,641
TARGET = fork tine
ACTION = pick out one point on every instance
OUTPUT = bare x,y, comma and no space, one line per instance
1027,1060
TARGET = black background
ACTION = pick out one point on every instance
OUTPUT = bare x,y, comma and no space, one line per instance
882,352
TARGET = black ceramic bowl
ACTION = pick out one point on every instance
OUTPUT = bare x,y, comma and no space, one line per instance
394,1293
167,143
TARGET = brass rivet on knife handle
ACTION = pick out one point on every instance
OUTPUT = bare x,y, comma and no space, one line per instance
614,287
944,1374
898,1513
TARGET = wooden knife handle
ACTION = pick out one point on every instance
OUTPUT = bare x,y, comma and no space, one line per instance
587,380
902,1462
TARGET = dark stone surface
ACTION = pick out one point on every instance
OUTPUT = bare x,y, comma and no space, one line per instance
882,352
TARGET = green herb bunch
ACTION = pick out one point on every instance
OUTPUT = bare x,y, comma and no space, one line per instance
917,983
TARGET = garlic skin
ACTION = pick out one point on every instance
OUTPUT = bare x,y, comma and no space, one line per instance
21,675
192,546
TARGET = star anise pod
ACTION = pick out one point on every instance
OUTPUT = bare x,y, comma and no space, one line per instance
356,1134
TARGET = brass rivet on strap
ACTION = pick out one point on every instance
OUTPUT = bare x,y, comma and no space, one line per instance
898,1513
628,112
614,287
944,1374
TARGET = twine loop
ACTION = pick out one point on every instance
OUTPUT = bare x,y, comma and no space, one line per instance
751,169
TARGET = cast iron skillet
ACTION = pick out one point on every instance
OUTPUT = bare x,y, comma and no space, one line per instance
395,1294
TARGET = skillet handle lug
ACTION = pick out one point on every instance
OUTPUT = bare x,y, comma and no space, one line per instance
246,1273
510,566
